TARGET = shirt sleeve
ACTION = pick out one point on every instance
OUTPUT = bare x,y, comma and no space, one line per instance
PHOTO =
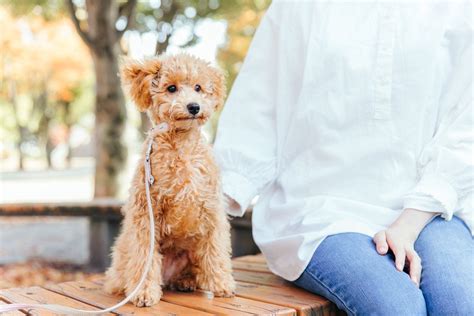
245,146
446,164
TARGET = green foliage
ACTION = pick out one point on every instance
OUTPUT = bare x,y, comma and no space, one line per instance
49,9
162,18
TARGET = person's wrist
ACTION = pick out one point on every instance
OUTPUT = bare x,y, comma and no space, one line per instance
409,232
412,222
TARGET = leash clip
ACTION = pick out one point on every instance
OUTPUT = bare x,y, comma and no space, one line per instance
148,175
151,179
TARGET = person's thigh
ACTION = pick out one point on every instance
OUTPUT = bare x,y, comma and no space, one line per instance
347,270
446,249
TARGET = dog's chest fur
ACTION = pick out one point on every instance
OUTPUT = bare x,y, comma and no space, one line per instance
186,184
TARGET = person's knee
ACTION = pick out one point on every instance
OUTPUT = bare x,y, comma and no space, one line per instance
395,303
446,230
450,298
370,300
451,308
369,285
447,280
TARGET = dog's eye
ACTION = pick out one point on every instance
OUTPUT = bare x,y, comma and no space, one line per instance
172,88
197,88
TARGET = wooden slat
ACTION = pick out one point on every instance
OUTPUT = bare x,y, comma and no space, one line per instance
259,292
92,293
252,258
98,208
226,306
14,313
250,266
258,283
259,278
222,306
38,295
304,302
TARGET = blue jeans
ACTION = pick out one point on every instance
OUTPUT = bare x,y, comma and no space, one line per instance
347,270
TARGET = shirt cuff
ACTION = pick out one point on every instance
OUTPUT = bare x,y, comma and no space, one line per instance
240,189
433,194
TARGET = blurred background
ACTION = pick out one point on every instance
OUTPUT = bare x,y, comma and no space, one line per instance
69,137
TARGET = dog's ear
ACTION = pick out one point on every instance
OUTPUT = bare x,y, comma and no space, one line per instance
137,77
219,89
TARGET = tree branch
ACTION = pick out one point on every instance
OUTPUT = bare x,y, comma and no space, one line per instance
168,16
127,10
83,34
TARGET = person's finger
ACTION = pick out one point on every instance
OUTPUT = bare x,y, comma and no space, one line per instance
415,266
399,257
380,240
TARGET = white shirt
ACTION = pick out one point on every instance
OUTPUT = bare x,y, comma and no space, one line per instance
344,114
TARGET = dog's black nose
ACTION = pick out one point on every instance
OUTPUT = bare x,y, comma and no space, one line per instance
193,108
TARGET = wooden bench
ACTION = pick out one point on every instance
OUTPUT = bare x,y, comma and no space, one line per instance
259,292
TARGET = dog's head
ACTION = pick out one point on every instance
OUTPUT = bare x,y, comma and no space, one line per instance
180,90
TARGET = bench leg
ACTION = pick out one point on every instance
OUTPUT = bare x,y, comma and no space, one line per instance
102,236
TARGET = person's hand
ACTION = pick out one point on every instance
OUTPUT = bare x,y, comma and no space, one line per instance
401,241
400,237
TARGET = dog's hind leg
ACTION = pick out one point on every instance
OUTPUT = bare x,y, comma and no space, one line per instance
114,277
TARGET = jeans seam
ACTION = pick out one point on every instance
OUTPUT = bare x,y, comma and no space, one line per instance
317,279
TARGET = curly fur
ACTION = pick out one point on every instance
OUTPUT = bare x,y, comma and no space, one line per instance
186,194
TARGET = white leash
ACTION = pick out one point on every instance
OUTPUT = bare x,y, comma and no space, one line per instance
149,180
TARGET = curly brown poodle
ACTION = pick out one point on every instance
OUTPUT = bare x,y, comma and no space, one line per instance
181,91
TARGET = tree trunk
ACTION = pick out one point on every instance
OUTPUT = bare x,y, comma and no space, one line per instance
102,38
110,114
110,154
20,129
40,109
68,122
23,133
20,155
44,138
49,147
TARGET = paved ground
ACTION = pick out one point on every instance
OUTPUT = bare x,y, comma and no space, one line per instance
47,186
39,185
57,239
54,239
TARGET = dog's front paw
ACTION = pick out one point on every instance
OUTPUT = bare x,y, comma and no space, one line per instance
228,287
147,297
224,293
223,287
